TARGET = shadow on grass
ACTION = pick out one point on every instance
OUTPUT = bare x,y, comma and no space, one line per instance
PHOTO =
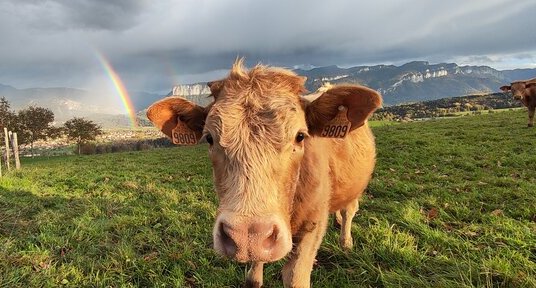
142,241
20,210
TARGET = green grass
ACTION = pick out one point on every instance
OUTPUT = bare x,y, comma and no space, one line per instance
452,204
466,113
380,123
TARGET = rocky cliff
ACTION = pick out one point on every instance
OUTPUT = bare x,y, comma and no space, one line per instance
198,93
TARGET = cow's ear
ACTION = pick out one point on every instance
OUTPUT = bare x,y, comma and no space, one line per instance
506,88
215,87
356,102
168,112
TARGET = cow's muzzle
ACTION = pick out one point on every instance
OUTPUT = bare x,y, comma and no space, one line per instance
260,239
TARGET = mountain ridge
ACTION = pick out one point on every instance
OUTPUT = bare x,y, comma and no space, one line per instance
409,82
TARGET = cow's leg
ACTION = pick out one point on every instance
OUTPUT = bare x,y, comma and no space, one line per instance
254,278
531,116
297,271
347,214
338,218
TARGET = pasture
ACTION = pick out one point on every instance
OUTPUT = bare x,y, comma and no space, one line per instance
452,204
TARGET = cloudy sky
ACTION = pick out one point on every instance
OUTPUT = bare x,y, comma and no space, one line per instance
155,44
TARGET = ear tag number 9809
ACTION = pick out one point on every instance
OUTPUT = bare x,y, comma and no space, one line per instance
339,126
183,135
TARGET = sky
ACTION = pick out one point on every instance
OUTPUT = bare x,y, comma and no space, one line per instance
154,45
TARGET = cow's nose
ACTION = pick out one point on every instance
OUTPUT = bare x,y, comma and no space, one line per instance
258,237
251,241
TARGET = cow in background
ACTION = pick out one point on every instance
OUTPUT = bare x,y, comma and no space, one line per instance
525,91
281,163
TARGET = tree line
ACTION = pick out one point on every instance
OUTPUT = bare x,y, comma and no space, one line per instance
36,123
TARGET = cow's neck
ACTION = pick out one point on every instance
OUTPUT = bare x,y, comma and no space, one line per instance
312,190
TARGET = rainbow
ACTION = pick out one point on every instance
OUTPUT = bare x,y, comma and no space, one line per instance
119,87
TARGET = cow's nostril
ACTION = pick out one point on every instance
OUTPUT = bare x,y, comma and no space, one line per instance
229,245
271,239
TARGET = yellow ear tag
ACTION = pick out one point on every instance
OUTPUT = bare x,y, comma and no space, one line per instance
183,135
339,126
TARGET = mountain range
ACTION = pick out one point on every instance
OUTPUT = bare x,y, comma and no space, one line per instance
411,82
419,80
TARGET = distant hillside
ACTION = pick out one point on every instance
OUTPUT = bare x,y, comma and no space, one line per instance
519,74
67,103
64,102
142,100
447,107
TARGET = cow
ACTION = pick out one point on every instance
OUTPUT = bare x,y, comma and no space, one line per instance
525,91
281,163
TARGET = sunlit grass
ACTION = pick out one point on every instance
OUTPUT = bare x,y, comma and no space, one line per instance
452,204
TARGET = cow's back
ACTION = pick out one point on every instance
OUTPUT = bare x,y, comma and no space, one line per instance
351,165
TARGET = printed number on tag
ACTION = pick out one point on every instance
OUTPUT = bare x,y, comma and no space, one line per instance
335,131
184,138
182,135
339,126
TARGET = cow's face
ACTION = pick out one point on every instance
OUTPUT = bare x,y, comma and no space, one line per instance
256,129
518,89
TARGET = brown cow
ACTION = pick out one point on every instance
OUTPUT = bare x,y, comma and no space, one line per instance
276,176
526,92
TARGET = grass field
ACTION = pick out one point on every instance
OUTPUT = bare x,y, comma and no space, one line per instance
452,204
489,111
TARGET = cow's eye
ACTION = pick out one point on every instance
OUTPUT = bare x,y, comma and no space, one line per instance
209,139
299,137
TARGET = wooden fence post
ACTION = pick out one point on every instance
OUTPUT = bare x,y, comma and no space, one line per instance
7,148
15,146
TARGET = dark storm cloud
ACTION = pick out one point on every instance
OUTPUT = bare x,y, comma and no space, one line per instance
152,43
83,14
102,14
